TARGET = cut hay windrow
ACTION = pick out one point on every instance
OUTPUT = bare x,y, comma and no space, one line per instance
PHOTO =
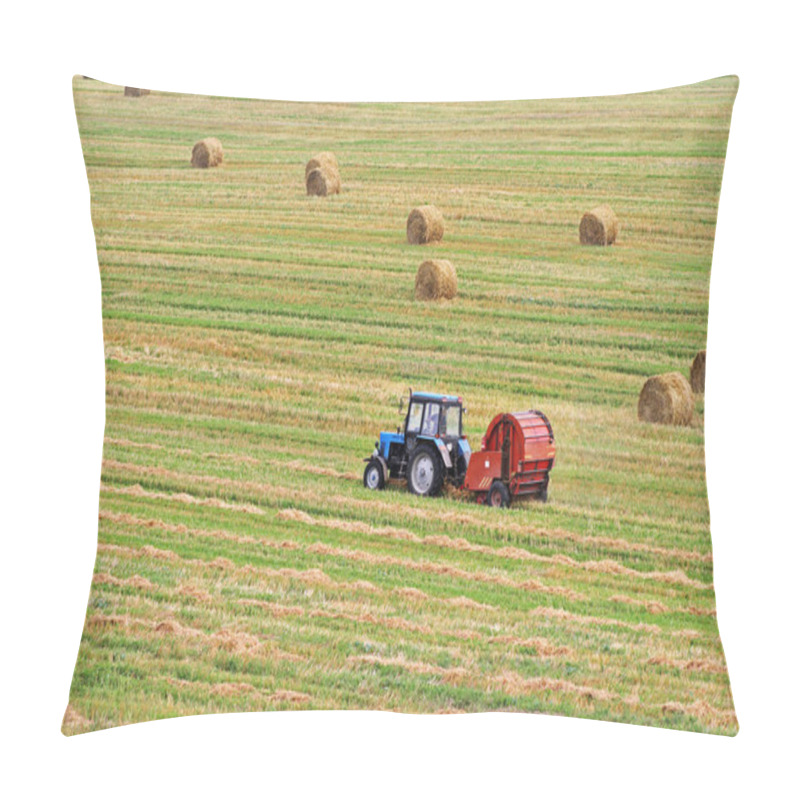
437,568
232,689
275,609
448,673
513,683
653,606
542,646
103,621
667,400
135,581
701,710
240,688
562,615
195,592
129,443
156,524
599,226
689,664
273,491
675,577
136,490
397,623
425,224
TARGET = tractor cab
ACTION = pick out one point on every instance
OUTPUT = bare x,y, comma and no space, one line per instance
430,448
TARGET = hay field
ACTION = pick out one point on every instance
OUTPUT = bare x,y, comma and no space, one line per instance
257,340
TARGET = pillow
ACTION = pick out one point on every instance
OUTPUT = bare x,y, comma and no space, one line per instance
404,407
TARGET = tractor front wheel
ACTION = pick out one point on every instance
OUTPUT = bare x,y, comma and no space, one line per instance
425,471
498,495
373,475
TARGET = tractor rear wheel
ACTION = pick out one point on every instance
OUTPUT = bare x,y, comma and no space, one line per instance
425,471
498,495
373,475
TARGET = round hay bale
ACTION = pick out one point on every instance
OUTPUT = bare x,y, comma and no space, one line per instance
599,226
436,280
666,399
132,91
425,224
322,175
698,373
322,182
207,153
325,160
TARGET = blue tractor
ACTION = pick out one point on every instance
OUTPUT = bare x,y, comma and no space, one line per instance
430,449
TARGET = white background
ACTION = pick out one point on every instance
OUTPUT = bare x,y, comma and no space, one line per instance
53,386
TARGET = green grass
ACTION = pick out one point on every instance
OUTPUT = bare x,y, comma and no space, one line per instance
258,339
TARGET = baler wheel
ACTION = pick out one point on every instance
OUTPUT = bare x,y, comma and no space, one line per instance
425,471
498,495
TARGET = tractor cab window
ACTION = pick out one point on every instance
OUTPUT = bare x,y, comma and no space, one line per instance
430,425
451,421
414,418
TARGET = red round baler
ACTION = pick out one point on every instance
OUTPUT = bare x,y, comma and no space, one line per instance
515,459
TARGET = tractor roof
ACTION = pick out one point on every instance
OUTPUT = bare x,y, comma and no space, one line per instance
442,398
